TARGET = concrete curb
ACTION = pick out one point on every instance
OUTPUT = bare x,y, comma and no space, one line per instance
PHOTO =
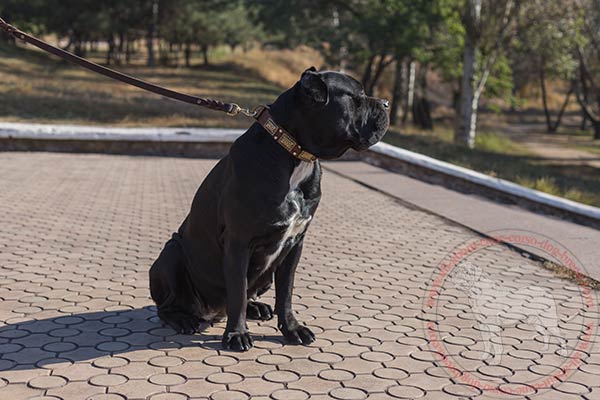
435,171
213,142
9,130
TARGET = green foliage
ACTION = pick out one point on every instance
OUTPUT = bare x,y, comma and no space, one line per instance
545,41
448,43
500,82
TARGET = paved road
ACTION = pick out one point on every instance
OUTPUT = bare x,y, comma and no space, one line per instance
78,233
486,216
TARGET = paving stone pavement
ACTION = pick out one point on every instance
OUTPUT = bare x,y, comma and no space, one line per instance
79,232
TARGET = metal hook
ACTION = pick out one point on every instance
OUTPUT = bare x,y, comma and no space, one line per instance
237,109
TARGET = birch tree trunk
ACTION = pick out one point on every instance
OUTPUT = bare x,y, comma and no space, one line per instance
410,93
466,127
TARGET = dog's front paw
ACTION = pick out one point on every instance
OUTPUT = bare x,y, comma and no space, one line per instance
259,311
297,334
237,341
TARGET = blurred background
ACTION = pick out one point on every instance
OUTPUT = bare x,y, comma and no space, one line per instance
506,87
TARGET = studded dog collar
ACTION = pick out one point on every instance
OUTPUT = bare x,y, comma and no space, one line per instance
281,136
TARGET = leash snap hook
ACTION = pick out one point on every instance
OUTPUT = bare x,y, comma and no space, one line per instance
235,110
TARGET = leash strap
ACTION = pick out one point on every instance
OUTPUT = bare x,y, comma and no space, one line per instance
260,114
229,108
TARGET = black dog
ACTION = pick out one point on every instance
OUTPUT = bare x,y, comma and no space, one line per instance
249,217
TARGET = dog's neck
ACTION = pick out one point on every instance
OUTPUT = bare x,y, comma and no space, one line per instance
282,111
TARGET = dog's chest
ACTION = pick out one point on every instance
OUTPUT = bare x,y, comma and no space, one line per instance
297,216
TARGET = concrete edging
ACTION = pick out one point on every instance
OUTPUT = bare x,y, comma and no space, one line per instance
440,172
213,142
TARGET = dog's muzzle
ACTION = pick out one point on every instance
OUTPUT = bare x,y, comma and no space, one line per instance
377,125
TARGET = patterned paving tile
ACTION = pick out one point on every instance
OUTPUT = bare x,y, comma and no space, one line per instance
79,232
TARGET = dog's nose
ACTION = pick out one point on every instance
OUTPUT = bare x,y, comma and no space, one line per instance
386,104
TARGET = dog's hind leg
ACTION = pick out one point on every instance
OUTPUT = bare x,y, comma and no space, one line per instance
257,310
172,292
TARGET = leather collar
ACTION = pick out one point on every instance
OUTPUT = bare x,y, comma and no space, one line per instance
281,136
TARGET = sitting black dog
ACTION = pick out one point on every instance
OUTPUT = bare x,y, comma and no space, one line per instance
249,217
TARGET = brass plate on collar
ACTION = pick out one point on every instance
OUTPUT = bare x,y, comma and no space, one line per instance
271,126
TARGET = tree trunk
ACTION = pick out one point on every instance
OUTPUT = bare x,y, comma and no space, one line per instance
545,97
466,126
562,111
381,66
79,46
422,109
152,31
111,49
188,55
69,43
397,93
366,79
128,51
410,94
120,49
205,54
583,125
582,98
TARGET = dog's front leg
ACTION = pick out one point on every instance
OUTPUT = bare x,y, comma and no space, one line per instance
284,286
235,268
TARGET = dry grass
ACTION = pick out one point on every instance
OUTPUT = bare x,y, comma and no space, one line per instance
281,67
36,87
499,156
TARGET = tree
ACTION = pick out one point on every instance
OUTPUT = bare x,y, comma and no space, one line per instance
399,31
208,23
489,26
543,50
26,15
587,84
240,26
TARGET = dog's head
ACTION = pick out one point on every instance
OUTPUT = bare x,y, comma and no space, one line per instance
329,112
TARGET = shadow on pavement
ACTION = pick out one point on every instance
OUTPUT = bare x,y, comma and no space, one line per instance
86,336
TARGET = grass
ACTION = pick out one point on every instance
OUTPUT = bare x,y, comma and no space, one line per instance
40,88
499,156
35,87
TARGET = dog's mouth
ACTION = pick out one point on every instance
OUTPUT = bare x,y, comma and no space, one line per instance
374,130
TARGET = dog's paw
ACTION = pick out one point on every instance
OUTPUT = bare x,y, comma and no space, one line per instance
237,341
260,311
298,334
181,322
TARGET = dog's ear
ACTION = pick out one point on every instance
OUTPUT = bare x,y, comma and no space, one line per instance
313,86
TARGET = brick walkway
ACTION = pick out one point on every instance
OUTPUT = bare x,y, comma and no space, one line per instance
79,232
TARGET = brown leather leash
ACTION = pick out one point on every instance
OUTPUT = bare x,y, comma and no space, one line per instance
260,114
229,108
